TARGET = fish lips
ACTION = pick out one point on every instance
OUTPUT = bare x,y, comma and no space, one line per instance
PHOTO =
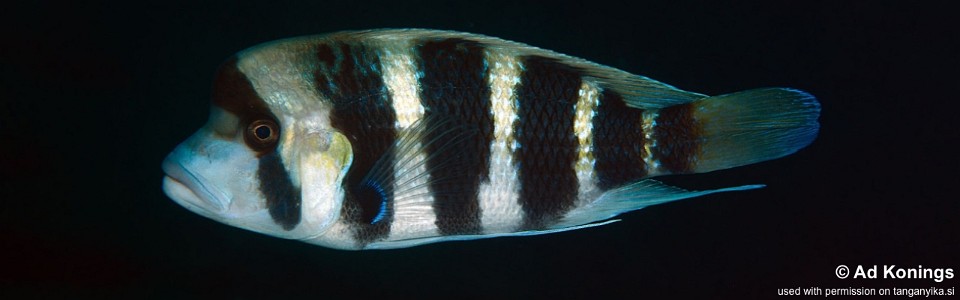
191,190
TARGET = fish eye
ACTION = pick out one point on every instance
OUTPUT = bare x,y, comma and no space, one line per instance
262,134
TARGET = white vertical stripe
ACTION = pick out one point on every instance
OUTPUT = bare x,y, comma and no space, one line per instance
583,128
500,211
413,204
402,80
649,142
276,75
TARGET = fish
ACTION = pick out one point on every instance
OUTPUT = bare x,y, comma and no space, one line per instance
394,138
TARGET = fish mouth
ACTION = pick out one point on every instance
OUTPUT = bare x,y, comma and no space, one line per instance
191,190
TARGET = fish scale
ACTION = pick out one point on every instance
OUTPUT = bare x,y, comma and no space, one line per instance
618,143
457,67
403,137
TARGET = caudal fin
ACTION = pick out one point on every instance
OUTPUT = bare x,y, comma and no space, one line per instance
753,126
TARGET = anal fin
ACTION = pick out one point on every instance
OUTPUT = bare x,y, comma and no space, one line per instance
633,197
466,237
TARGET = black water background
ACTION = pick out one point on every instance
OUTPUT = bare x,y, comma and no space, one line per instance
93,96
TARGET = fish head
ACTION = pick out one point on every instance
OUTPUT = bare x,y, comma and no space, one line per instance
258,167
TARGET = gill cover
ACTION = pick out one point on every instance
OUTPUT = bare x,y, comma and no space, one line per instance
257,167
324,159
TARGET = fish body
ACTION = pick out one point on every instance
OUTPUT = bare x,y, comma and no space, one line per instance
395,138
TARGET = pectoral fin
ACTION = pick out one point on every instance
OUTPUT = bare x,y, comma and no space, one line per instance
403,175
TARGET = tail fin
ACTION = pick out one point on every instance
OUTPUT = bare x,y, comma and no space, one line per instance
753,126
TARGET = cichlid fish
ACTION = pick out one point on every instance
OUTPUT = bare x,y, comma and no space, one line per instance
395,138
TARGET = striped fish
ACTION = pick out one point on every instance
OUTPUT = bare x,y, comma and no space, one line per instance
395,138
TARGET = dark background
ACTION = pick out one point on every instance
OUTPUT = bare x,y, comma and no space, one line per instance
95,95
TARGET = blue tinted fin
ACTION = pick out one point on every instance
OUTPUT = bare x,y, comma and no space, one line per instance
412,175
449,238
633,197
753,126
637,91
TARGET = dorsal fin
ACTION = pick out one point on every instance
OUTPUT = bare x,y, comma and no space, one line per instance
637,91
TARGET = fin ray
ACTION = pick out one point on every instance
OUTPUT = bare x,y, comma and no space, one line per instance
633,197
412,179
449,238
637,91
753,126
